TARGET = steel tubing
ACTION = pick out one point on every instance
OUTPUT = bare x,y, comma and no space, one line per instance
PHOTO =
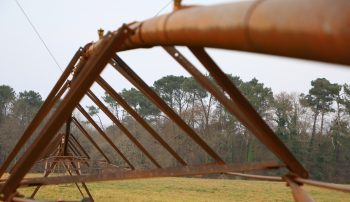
157,172
298,193
336,187
20,199
257,177
326,185
313,29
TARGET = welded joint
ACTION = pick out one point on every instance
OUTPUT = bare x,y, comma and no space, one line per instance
247,17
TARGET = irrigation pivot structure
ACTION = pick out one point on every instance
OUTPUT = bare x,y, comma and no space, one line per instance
291,28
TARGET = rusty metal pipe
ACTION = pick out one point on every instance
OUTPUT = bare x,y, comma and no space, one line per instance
313,29
298,193
20,199
257,177
156,172
337,187
327,185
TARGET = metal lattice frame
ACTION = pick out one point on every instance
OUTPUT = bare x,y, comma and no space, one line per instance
201,27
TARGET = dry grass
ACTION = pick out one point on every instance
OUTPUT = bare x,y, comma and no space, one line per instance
185,189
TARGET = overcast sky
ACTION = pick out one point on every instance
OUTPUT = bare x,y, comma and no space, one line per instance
65,25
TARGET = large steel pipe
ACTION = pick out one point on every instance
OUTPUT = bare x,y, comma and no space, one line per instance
309,29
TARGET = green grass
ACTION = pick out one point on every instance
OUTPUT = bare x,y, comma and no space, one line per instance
185,189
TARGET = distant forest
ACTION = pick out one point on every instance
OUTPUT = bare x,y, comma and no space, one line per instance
314,126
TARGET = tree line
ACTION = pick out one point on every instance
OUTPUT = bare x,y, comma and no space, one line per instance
314,126
16,112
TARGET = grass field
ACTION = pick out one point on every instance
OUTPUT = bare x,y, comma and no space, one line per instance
185,189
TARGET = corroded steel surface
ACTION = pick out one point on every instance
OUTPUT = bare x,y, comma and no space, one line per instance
312,29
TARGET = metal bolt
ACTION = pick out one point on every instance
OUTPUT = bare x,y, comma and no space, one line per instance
100,33
177,4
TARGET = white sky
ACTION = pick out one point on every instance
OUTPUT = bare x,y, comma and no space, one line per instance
66,25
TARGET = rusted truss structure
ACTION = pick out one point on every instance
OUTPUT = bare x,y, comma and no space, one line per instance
265,26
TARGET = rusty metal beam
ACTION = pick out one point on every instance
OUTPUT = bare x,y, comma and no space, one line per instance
103,134
336,187
257,177
314,29
70,173
83,183
138,118
157,172
237,108
86,134
246,113
66,136
47,173
298,193
52,146
133,78
49,102
31,126
93,97
79,145
73,149
94,66
20,199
